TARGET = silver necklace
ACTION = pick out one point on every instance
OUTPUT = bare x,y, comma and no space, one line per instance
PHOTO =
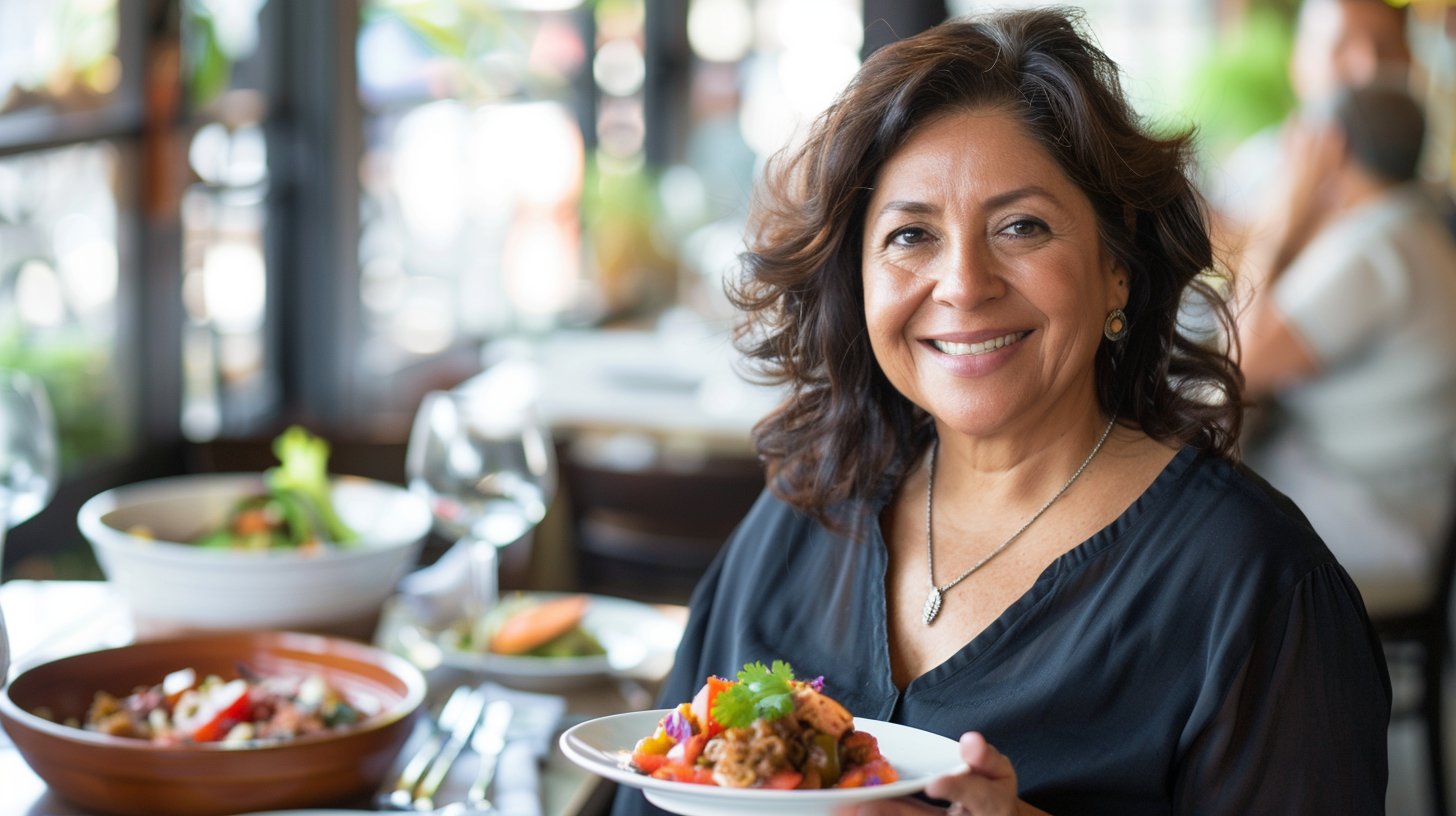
932,601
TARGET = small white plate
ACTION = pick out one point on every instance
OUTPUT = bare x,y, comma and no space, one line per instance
631,632
602,746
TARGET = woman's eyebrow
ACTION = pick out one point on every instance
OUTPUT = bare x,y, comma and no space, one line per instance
911,207
1012,196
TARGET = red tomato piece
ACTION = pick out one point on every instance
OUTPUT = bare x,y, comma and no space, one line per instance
687,753
230,706
784,780
647,763
674,772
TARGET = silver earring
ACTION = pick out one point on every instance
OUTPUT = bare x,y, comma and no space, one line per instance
1116,326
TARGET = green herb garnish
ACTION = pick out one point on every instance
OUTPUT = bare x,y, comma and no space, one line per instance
761,694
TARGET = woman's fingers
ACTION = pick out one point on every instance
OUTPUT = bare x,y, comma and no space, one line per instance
987,788
983,758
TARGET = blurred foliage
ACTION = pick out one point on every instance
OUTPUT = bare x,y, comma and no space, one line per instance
207,69
81,392
619,209
1243,85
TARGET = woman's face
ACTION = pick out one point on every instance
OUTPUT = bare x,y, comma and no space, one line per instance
986,285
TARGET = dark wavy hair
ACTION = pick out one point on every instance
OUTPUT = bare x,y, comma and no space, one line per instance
845,432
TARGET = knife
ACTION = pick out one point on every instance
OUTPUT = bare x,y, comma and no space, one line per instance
401,793
489,741
459,735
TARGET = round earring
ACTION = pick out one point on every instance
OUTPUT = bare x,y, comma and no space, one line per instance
1116,326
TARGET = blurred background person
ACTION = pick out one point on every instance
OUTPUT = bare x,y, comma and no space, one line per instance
1353,334
1337,44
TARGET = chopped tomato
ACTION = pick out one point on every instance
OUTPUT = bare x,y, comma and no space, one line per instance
703,704
225,706
687,752
648,763
675,772
878,772
784,780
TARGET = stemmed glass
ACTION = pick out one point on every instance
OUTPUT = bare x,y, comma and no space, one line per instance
28,462
483,461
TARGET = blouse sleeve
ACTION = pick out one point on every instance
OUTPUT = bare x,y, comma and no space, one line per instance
1302,727
681,682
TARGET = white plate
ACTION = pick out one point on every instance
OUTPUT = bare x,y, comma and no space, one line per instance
631,632
602,746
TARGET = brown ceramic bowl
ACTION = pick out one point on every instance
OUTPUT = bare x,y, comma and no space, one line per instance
136,778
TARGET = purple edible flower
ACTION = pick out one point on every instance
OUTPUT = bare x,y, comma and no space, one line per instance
678,727
873,780
817,683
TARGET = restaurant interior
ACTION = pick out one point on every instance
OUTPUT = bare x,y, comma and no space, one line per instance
221,219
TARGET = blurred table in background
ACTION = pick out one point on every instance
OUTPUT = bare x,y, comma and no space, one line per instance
657,465
52,619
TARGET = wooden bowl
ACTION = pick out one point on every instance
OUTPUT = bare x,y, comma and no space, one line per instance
133,777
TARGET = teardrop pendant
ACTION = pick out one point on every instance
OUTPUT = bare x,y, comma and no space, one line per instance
932,606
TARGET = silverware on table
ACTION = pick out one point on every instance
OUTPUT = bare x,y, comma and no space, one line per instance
400,795
489,741
459,735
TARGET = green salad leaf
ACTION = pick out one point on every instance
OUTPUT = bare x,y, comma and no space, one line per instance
761,694
303,468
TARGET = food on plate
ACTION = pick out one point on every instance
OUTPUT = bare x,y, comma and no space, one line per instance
296,512
528,626
184,708
764,730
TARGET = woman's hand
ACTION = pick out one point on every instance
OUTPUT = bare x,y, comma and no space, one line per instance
987,788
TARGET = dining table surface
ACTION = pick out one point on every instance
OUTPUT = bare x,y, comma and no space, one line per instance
48,620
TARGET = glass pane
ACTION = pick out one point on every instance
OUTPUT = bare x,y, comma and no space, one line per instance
58,55
471,177
761,72
229,387
58,291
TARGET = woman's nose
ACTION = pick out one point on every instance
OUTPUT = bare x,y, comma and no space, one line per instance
966,278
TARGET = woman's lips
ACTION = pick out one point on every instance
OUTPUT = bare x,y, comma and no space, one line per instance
978,358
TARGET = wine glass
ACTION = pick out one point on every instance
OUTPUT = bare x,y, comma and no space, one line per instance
27,462
483,461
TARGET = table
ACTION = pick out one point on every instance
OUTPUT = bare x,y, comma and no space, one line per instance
52,619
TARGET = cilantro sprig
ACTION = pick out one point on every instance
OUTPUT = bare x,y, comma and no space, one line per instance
761,694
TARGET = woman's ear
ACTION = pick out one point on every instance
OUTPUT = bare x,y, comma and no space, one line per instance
1118,294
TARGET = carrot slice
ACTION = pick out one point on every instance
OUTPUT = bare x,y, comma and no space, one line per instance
538,625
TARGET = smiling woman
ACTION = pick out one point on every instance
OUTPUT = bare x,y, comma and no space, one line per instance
1003,500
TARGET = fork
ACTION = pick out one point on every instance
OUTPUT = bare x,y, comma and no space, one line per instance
460,733
401,795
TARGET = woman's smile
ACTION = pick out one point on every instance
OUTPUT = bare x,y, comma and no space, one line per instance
975,349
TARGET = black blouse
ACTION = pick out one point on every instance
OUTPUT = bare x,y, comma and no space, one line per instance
1202,654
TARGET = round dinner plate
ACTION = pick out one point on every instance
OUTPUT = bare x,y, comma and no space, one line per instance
631,632
602,746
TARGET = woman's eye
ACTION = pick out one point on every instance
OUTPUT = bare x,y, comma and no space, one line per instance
908,236
1025,228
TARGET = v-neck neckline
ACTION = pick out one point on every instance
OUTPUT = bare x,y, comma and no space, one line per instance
1062,566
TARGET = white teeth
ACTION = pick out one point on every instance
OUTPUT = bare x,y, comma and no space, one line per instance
963,349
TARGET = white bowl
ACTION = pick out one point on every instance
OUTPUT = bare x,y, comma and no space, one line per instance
171,584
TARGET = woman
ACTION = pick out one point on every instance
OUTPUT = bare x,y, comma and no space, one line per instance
1001,506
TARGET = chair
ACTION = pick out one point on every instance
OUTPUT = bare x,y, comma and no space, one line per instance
648,533
1425,633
